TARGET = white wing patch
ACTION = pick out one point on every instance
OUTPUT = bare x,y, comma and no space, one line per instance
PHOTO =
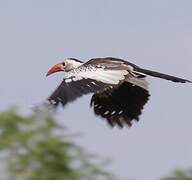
108,76
98,74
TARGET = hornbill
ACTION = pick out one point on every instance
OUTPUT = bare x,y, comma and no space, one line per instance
119,88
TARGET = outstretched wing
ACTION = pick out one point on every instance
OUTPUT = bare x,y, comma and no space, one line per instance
121,105
68,92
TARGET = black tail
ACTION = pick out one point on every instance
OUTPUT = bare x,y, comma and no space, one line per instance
163,76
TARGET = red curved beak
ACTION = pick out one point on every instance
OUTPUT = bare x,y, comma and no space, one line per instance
56,68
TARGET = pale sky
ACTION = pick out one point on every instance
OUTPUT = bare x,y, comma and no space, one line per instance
157,35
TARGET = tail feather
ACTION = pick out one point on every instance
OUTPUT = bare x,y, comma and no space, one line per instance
163,76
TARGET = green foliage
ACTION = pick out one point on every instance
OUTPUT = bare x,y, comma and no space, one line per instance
35,147
180,174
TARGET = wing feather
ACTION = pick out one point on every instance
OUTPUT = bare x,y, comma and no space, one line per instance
68,92
122,104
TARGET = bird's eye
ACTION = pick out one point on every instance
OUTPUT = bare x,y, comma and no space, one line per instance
63,64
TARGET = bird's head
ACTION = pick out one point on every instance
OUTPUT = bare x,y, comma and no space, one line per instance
65,65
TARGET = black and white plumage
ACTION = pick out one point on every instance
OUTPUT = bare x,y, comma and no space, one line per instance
119,88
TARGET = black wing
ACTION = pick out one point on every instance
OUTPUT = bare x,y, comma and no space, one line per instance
120,105
69,91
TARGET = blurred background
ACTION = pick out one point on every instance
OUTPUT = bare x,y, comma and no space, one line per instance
156,35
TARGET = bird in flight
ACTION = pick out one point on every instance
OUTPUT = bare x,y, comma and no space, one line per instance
119,88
